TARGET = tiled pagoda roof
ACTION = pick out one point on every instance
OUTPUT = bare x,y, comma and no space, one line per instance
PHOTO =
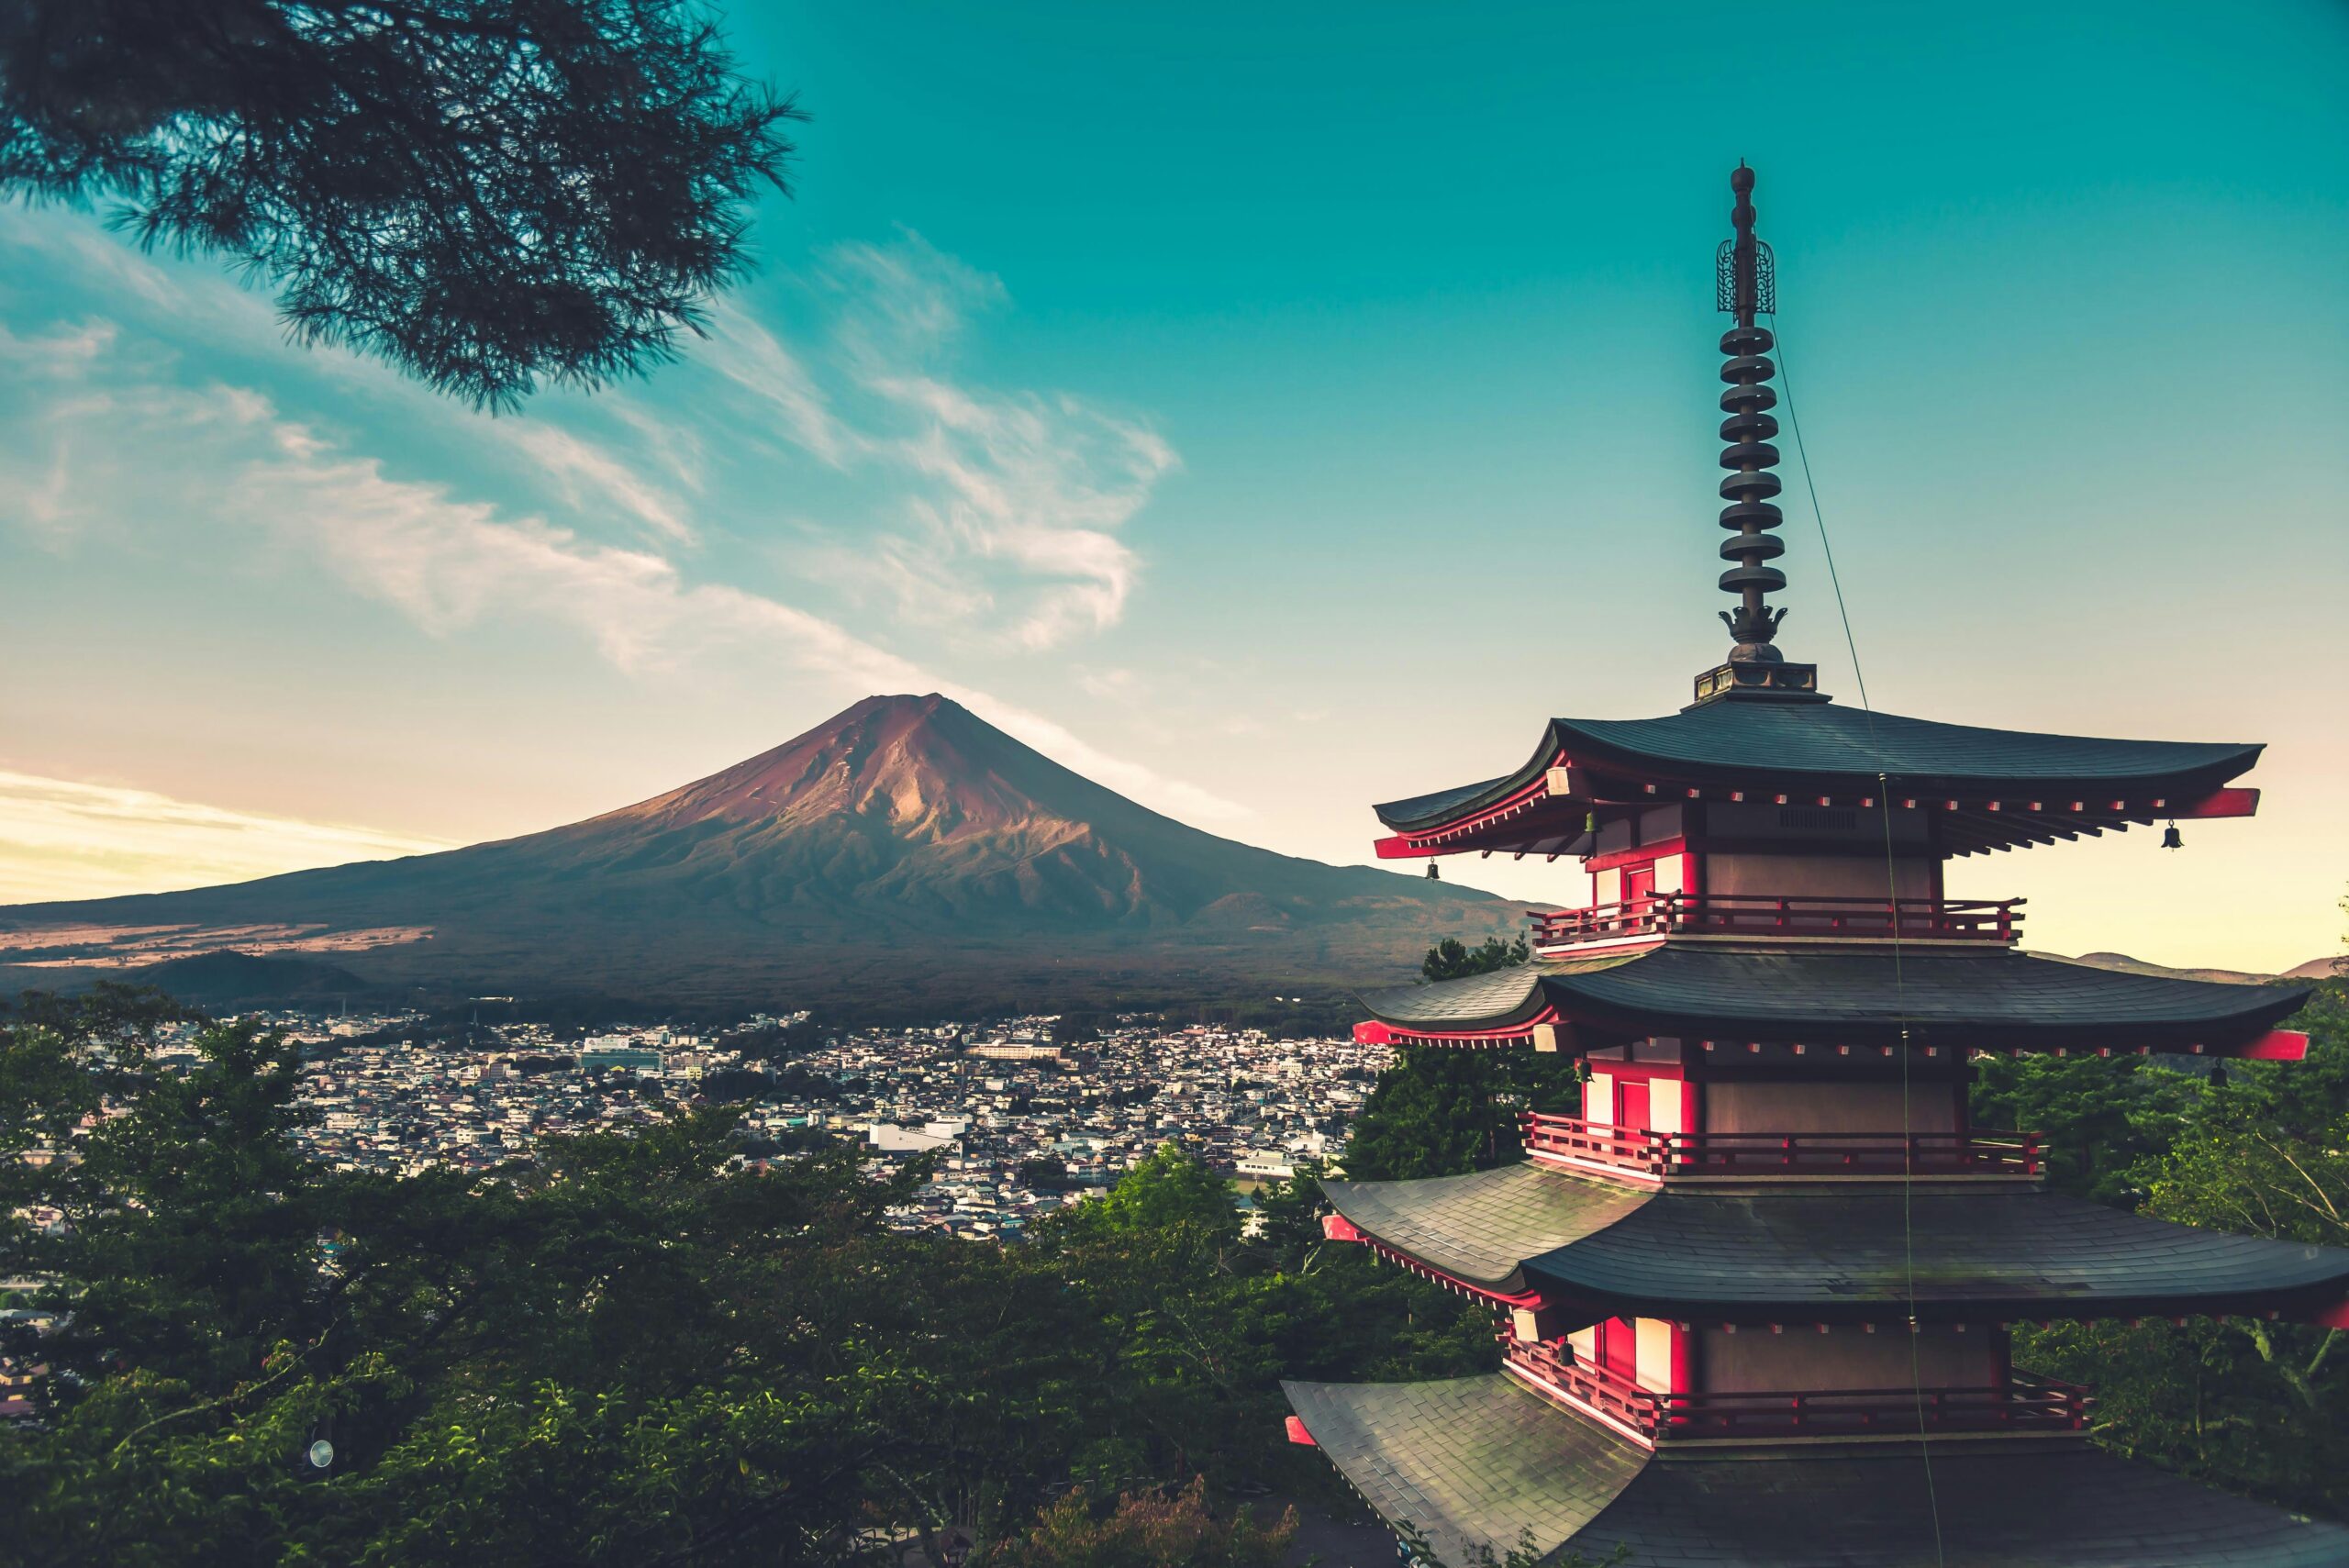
1474,1461
1820,1256
1975,1000
1482,1227
1824,748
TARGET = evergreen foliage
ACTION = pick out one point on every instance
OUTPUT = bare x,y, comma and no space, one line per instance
1153,1532
2263,1150
628,1350
1452,959
1446,1111
485,193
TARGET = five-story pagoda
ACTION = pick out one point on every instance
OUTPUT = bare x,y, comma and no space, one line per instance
1755,1299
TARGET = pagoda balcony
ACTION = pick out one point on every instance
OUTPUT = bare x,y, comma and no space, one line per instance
1767,915
1652,1156
2025,1403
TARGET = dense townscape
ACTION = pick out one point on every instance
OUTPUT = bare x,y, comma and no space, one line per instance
1020,1121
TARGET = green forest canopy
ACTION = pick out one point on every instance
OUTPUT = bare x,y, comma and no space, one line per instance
631,1350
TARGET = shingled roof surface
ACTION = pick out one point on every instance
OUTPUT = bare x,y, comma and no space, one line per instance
1825,1256
1839,749
1482,1227
1475,1462
1830,1256
1991,1505
1709,989
1472,1461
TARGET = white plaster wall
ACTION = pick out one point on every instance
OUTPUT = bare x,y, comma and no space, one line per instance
1655,1348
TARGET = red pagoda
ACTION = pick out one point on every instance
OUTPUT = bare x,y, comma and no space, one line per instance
1755,1300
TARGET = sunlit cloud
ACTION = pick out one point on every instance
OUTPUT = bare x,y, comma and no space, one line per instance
990,516
582,471
1028,491
447,564
64,839
756,361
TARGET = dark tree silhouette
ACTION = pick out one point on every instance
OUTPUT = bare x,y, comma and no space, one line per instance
1451,959
488,194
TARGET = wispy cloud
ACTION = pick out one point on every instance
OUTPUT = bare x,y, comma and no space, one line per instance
447,562
996,514
1027,491
755,361
65,838
581,469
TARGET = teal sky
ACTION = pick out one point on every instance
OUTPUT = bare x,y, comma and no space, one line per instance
1266,410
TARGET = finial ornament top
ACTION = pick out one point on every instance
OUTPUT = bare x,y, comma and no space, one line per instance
1748,288
1749,456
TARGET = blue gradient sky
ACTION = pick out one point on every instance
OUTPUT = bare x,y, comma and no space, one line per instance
1265,414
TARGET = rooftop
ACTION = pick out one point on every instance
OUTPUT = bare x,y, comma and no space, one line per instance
1820,1256
1474,1461
1983,998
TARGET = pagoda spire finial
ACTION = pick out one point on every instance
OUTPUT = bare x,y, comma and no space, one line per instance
1748,430
1747,287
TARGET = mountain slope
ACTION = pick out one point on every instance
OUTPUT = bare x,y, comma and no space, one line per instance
904,831
2315,969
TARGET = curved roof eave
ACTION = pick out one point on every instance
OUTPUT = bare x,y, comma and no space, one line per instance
1480,1229
1828,1255
1998,1000
1837,1256
1840,748
1478,1463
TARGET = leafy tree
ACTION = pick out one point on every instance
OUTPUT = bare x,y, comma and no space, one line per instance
623,1350
1154,1530
2242,1401
1445,1111
619,1354
2264,1150
485,193
1168,1192
1046,1174
1078,1027
2103,1118
731,1085
1451,959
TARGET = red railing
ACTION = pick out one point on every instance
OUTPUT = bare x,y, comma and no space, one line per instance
1666,1154
2025,1401
1764,914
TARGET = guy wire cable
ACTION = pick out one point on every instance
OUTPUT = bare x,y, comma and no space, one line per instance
1899,989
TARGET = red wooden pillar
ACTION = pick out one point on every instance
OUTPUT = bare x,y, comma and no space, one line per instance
1685,1368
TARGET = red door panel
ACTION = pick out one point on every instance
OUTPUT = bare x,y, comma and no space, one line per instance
1619,1349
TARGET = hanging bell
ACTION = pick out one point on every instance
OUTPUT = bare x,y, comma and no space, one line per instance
1433,876
2170,840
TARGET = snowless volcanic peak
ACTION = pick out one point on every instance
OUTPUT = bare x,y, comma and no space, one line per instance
905,844
925,766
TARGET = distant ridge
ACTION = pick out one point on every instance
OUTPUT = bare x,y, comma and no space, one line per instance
228,978
904,849
2315,969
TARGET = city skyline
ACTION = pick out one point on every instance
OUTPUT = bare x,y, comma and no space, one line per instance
1336,405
